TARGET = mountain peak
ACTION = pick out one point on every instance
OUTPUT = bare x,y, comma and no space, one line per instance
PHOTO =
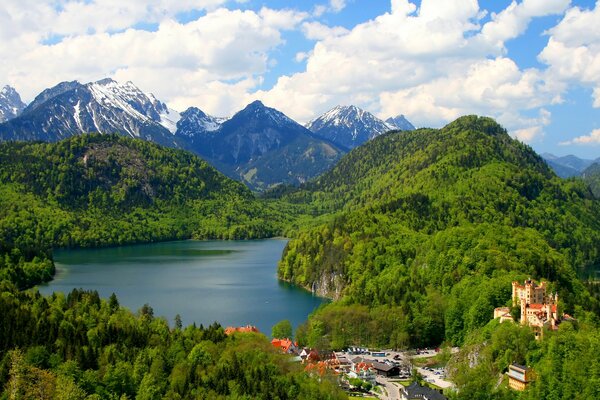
256,104
476,123
400,122
258,111
8,91
105,81
348,126
195,122
11,104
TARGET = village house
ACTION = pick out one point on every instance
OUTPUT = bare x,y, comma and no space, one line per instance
364,371
285,345
519,376
414,391
387,370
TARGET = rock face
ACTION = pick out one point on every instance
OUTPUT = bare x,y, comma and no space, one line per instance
400,123
348,126
262,147
106,106
11,104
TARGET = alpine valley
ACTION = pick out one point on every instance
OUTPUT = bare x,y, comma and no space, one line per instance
416,235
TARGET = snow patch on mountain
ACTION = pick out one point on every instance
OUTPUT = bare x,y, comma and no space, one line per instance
348,126
169,119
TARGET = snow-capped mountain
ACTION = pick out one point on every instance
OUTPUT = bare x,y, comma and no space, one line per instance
263,147
348,126
106,106
11,104
400,123
195,122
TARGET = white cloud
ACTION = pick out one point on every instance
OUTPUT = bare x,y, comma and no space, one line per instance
432,63
592,139
225,51
513,20
334,6
74,17
573,50
528,134
337,5
317,31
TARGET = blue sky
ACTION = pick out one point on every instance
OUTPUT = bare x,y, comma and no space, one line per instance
534,65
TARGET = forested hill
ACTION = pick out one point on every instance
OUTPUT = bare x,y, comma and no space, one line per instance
425,160
430,227
113,171
98,190
591,176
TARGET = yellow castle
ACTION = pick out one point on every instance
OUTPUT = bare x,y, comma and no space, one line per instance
538,309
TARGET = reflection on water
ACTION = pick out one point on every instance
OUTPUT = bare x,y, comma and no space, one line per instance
232,282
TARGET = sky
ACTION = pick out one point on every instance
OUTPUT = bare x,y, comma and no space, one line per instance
533,65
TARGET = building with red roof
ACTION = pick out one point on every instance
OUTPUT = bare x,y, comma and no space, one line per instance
285,345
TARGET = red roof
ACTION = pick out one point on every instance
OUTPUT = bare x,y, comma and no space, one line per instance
283,344
537,306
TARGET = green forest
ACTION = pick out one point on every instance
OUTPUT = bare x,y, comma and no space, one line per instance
106,190
416,235
423,233
78,346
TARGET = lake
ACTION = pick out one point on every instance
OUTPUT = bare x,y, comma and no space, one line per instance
232,282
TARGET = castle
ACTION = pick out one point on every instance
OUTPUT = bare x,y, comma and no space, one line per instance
538,309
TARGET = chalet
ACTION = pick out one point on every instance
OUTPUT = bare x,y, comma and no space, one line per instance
416,391
285,345
343,364
313,355
519,376
383,369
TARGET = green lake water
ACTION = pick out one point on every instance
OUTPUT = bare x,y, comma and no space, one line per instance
232,282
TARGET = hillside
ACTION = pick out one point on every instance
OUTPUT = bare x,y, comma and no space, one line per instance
98,190
591,176
427,230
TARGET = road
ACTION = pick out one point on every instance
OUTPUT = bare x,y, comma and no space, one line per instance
435,379
391,391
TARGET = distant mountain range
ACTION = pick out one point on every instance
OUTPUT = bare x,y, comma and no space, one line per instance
568,166
71,108
262,146
259,146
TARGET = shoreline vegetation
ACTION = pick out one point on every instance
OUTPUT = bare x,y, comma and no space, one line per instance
416,235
